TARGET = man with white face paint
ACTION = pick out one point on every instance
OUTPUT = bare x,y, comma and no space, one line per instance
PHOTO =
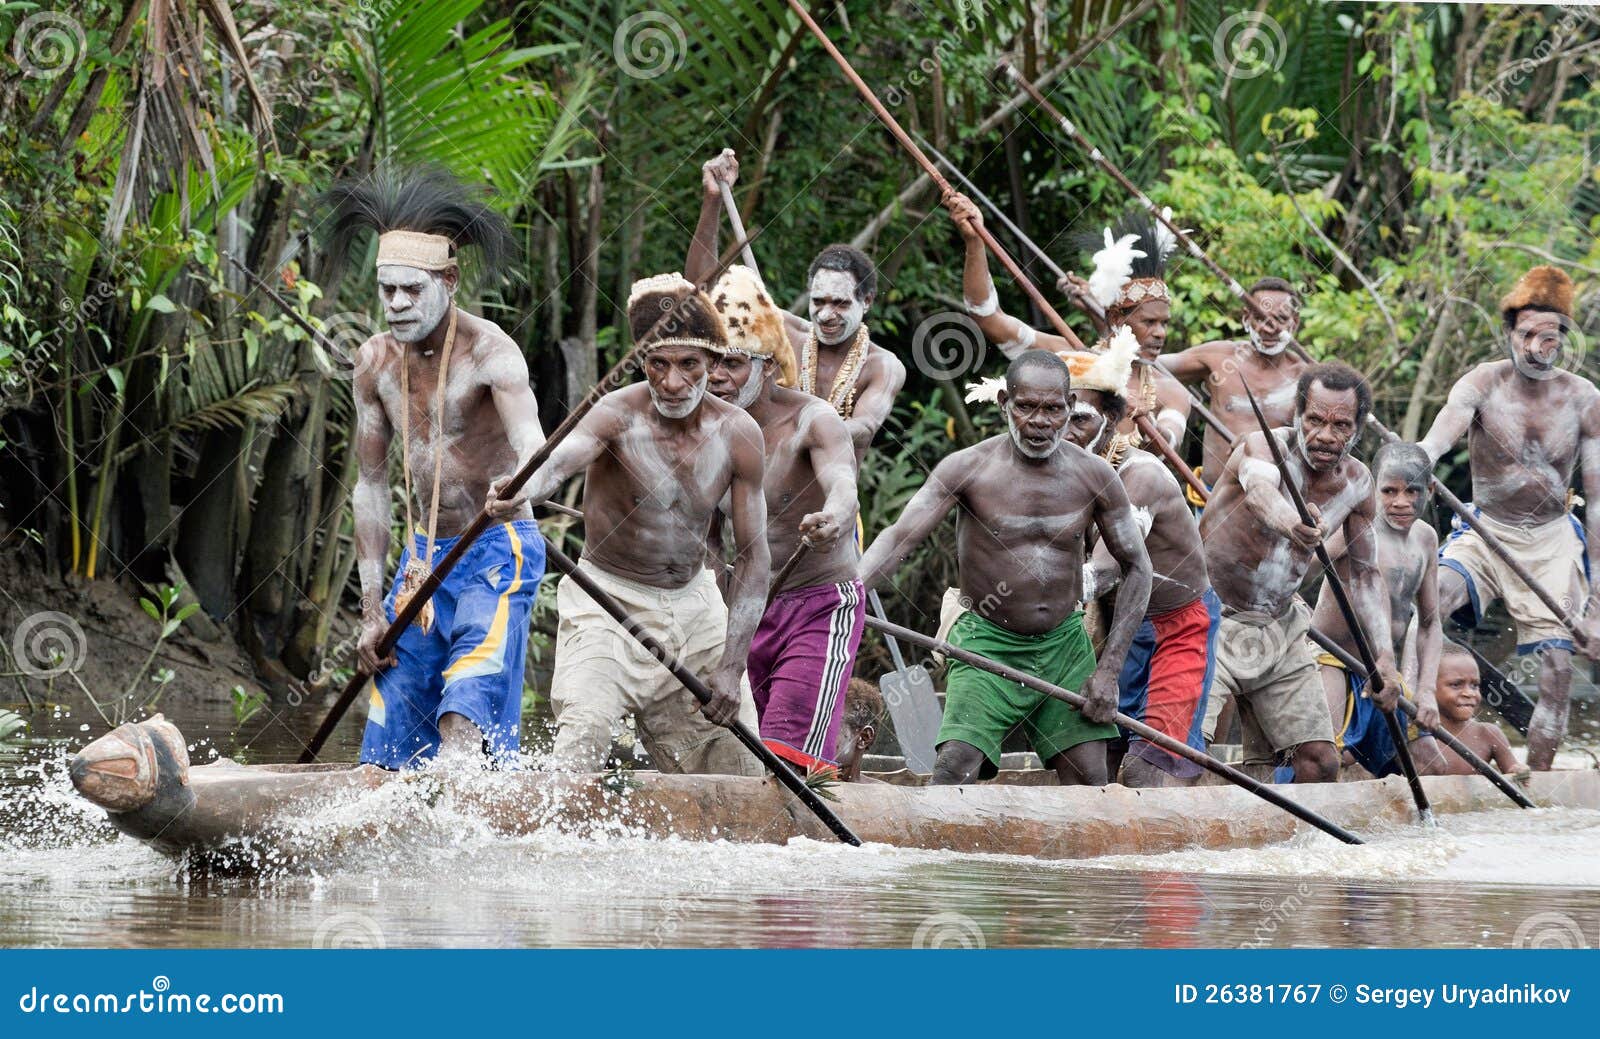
455,387
1027,503
1263,360
837,359
1129,291
658,459
805,648
1529,425
1257,554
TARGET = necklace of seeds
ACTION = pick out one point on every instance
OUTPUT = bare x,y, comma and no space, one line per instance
843,395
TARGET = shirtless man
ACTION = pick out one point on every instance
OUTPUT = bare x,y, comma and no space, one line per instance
456,387
1027,503
1257,553
1459,698
658,459
1169,666
1264,360
1408,559
1141,305
837,360
805,648
1529,424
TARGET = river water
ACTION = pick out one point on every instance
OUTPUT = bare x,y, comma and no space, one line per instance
66,879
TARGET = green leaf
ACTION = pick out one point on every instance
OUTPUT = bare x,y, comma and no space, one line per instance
160,303
151,608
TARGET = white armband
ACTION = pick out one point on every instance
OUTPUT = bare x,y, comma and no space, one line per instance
990,304
1024,341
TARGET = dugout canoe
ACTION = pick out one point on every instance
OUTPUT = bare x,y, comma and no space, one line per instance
244,816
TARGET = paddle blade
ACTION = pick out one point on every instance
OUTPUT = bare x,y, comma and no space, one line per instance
915,709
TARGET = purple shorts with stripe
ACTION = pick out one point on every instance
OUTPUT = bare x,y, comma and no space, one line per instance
800,662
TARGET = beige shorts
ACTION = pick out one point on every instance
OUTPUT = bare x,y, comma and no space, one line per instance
602,675
1265,665
1552,552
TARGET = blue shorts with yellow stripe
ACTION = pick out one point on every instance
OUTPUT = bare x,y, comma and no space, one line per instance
471,661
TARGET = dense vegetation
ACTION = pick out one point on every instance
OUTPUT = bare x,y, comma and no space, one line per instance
163,423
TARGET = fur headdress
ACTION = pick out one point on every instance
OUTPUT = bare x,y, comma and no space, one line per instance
1545,288
422,218
1131,262
667,310
755,327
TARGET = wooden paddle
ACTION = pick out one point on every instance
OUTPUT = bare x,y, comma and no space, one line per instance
1351,619
1155,736
697,688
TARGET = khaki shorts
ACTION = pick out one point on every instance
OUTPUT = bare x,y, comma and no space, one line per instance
1265,665
1552,552
602,675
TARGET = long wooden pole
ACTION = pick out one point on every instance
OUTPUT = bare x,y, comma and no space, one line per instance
1155,736
737,224
1351,619
613,379
619,613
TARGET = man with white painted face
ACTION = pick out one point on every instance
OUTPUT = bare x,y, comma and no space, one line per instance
1169,667
1130,291
1263,360
455,388
1257,553
804,650
1027,500
658,458
837,359
1529,425
1408,559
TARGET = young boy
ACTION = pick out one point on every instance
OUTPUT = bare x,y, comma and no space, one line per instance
863,710
1458,696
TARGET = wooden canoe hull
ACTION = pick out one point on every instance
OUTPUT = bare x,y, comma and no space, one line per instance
225,806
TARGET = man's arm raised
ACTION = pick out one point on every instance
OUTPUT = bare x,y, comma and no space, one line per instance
983,303
752,569
834,463
1466,396
1120,533
932,502
370,500
1368,594
702,258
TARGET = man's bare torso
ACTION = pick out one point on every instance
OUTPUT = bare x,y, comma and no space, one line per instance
1258,569
1403,561
649,498
1020,533
1230,365
476,447
793,491
1523,441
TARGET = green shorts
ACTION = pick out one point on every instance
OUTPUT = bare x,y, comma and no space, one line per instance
980,708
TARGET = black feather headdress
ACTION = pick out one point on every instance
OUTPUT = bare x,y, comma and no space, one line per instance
427,200
1132,252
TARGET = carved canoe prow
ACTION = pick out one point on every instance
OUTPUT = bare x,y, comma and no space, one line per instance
139,773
